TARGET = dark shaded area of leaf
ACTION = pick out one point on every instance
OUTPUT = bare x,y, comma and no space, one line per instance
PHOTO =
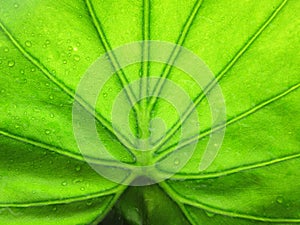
144,206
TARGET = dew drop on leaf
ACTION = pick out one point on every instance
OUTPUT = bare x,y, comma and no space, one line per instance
105,95
78,168
82,188
11,63
279,200
209,214
28,43
76,58
89,203
6,49
16,5
176,162
54,208
47,132
64,183
51,97
77,181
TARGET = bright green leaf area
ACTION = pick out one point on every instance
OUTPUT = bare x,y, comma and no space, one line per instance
252,47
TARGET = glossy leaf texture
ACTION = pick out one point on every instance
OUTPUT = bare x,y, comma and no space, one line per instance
252,47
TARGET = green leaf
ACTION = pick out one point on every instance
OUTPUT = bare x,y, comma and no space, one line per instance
252,47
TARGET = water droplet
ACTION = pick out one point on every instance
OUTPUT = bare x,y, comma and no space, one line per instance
47,42
52,115
47,132
105,95
64,183
82,188
2,91
75,49
11,63
54,208
32,69
76,58
22,71
65,62
176,162
78,168
28,43
89,203
16,5
6,49
51,97
17,126
209,214
279,200
77,181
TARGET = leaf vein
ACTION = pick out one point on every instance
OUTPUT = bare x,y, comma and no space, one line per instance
237,169
58,150
229,122
168,68
114,61
112,191
209,87
185,200
65,89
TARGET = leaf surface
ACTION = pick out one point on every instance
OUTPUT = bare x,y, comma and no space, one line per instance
250,46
